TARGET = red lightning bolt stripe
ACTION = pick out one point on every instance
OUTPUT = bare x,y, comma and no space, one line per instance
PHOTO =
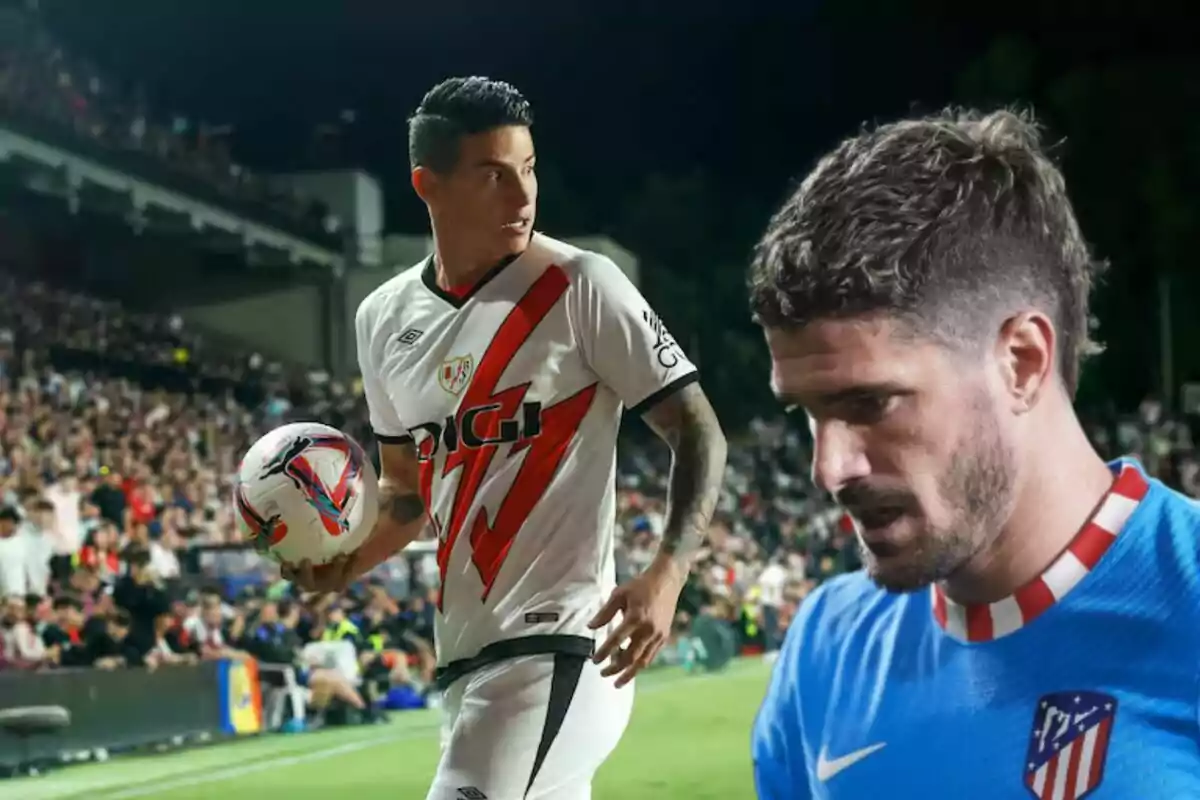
560,423
512,334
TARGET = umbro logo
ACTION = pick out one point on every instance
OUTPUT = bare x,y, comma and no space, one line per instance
410,336
471,793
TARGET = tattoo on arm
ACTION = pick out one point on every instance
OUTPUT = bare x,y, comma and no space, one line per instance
400,505
399,500
686,421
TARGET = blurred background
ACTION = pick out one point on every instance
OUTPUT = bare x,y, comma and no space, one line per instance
194,197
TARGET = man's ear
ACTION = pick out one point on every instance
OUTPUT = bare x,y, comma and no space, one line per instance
1026,350
424,183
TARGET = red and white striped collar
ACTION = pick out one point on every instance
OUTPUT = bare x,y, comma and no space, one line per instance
987,621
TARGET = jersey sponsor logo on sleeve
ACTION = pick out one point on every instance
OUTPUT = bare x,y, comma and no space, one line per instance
666,349
489,418
1069,744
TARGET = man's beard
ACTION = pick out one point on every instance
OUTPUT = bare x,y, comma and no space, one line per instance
978,488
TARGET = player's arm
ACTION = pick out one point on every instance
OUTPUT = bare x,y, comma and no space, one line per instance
633,353
401,510
686,421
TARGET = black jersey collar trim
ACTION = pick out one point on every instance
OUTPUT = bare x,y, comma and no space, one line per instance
429,277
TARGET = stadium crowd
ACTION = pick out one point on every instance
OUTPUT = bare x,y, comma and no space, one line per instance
119,436
44,85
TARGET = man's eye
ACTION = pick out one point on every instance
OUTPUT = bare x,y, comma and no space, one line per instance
869,409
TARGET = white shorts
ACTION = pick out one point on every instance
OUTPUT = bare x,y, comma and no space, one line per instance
529,728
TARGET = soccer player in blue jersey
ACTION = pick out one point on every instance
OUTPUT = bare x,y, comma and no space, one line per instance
1028,620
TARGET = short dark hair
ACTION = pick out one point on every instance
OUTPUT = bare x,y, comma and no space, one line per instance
67,601
459,107
136,556
943,222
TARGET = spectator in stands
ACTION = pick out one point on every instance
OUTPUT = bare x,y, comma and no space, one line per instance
38,531
163,562
275,639
100,552
39,611
67,502
109,497
139,593
339,627
85,586
14,550
272,638
772,583
210,635
64,637
22,649
116,645
165,647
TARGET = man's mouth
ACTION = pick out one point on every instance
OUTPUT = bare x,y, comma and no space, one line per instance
878,517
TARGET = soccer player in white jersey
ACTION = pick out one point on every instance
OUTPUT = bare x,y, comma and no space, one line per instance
496,372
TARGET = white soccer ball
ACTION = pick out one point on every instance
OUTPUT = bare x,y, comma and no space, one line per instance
306,491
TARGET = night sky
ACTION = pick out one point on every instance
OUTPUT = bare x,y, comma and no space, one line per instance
748,92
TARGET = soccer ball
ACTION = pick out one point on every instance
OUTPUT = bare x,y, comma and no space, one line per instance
306,491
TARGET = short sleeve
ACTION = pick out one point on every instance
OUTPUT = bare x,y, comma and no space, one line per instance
385,422
624,341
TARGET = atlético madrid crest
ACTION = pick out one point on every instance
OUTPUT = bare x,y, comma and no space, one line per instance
1069,744
454,374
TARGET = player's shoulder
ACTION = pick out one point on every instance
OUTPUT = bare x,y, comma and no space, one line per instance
578,263
389,295
1165,524
839,608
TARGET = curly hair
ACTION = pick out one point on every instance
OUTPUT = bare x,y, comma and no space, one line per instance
947,223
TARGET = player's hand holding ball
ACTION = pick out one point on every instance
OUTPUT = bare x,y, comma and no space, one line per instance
336,576
647,605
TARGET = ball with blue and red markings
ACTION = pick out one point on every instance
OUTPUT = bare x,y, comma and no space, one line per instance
306,491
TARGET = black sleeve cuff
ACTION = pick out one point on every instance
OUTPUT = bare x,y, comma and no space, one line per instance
665,392
386,439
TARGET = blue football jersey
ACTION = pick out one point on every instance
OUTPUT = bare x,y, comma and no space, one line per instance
1083,683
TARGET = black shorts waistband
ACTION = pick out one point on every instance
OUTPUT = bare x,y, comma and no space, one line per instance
506,649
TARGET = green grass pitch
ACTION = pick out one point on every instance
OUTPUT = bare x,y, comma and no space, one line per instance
689,738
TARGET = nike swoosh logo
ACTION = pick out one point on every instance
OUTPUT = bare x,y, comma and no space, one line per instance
827,767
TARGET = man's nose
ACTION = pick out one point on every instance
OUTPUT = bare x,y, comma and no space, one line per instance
838,456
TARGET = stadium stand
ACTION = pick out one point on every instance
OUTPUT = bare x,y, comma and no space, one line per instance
50,95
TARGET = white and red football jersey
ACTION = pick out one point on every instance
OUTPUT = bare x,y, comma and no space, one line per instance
513,394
